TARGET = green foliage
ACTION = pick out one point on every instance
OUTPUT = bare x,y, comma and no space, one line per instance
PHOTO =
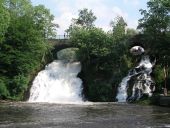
104,57
100,92
17,86
4,93
118,28
105,61
43,20
94,42
4,18
156,19
24,46
145,101
159,76
155,26
130,32
85,20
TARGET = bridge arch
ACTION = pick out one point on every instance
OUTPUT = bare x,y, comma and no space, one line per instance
59,44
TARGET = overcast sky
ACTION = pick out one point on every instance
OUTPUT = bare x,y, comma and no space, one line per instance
104,10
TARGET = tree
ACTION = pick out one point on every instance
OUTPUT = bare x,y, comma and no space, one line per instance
92,42
4,18
43,20
24,46
102,60
155,25
130,32
118,28
85,20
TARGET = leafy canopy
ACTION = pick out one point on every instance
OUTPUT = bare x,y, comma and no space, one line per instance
23,44
85,19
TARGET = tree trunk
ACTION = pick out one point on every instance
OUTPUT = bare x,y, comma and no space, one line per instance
165,80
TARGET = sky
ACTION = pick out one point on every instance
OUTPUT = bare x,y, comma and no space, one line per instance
104,10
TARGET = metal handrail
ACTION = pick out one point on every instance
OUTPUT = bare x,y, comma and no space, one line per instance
62,37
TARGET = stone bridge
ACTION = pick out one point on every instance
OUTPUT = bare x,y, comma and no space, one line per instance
59,44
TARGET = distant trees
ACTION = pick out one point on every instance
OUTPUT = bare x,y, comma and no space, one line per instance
85,20
43,20
93,41
118,28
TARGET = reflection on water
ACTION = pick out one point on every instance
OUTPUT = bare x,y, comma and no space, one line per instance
106,115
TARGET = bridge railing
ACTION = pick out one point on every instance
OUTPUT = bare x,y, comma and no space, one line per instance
59,39
62,37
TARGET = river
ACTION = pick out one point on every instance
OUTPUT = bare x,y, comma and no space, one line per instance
87,115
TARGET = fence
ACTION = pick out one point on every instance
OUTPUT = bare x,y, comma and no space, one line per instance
62,37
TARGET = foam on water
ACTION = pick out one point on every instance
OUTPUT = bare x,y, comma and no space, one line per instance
58,83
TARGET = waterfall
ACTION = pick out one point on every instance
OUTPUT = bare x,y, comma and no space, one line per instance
122,92
57,83
143,83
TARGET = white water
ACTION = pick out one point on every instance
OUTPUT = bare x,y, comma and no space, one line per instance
137,50
122,92
142,84
58,83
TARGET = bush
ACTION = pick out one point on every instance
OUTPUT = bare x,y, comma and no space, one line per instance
101,92
18,86
159,77
3,90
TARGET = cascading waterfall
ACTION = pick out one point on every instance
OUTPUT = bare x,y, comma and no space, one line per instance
143,83
122,90
58,83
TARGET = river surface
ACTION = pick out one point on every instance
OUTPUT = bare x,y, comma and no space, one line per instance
88,115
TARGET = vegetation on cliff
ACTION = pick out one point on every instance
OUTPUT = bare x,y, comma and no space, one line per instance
104,56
